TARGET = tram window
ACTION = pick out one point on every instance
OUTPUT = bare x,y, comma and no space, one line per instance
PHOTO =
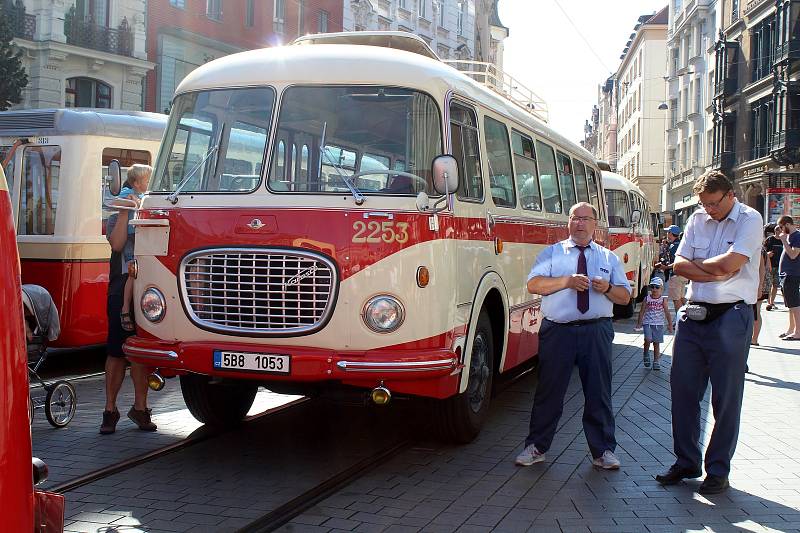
126,159
526,177
619,213
581,185
41,167
498,152
566,182
464,136
547,177
362,129
594,196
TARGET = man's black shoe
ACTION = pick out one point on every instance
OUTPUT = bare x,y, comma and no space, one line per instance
713,485
676,473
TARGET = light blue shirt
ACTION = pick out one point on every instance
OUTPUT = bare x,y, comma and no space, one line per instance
561,259
740,232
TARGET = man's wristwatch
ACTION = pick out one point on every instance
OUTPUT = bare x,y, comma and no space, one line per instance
610,286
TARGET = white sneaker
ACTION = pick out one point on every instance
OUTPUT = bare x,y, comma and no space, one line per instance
607,461
529,456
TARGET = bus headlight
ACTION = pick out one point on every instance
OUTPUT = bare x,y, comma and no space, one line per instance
153,304
383,314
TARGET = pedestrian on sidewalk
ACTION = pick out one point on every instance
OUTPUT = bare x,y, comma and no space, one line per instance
720,254
790,270
580,281
676,283
774,248
764,285
652,317
116,362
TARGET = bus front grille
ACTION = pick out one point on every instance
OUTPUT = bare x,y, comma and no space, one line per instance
258,291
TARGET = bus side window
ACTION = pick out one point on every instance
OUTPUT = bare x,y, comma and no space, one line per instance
566,183
580,181
501,180
527,178
464,137
594,196
41,166
547,177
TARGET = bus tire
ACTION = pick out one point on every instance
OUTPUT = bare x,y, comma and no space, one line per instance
217,404
624,311
459,418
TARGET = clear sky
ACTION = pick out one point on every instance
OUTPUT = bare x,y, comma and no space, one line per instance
546,53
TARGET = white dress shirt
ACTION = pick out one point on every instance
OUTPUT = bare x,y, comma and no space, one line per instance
740,232
561,259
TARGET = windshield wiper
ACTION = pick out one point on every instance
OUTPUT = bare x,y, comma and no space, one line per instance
357,196
173,196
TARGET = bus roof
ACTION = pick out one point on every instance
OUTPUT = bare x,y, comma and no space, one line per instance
377,65
612,180
83,121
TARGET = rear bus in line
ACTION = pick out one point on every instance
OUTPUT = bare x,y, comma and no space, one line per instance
630,235
55,161
377,238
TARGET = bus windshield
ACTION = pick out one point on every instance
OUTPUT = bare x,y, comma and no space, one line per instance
618,209
215,141
381,139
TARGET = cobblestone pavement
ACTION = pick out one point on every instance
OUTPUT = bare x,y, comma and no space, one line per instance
437,488
478,488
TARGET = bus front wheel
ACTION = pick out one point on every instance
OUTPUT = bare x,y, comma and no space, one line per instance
217,404
459,419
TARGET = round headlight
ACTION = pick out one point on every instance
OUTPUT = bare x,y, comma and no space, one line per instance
153,304
383,314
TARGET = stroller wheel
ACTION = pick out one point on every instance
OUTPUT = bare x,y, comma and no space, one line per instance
59,407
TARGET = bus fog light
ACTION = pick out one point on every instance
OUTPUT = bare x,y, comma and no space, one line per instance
153,304
383,314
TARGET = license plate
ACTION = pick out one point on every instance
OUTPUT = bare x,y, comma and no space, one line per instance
257,362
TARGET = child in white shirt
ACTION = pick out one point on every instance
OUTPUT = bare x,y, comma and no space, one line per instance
653,315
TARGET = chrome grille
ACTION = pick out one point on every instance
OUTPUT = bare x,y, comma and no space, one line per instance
258,291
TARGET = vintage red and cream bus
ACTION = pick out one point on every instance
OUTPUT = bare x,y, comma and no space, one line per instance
24,508
630,235
337,247
55,161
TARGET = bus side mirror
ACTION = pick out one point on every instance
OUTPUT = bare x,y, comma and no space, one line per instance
445,174
114,178
636,217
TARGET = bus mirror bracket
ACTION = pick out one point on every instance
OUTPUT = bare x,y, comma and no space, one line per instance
114,178
636,217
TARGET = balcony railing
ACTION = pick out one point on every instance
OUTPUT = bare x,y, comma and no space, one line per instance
88,35
726,88
787,50
723,161
22,24
785,140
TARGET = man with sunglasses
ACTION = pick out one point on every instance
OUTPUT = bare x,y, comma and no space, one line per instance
720,254
789,267
580,281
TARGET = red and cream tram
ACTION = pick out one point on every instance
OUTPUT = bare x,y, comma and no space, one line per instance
303,230
55,161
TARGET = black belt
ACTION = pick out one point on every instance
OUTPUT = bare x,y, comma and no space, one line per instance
717,307
581,322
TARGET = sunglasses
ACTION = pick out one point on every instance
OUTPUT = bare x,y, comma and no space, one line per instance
655,286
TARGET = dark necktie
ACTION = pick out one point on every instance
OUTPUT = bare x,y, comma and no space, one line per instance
583,296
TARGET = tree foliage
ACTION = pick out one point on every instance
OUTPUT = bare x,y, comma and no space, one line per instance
12,74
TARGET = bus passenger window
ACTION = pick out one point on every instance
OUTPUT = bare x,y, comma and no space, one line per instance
566,182
619,212
547,177
527,179
593,192
581,186
464,136
499,159
38,196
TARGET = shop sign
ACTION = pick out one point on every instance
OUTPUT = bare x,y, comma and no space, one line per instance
751,5
782,201
753,171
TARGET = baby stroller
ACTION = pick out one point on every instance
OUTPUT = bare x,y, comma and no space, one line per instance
41,327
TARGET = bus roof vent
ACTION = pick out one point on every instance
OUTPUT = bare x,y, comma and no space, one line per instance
399,40
498,81
27,120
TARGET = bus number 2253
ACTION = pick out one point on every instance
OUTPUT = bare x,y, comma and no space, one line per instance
376,232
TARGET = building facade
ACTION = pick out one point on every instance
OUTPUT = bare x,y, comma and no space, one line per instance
184,34
454,29
639,92
756,136
693,26
81,53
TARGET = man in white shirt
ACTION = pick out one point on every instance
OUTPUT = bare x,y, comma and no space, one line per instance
580,281
720,254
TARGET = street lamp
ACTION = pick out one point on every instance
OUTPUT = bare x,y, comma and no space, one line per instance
663,106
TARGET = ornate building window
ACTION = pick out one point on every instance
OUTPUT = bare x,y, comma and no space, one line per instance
87,92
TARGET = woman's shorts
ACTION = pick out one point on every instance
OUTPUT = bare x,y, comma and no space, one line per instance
677,287
791,291
654,332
